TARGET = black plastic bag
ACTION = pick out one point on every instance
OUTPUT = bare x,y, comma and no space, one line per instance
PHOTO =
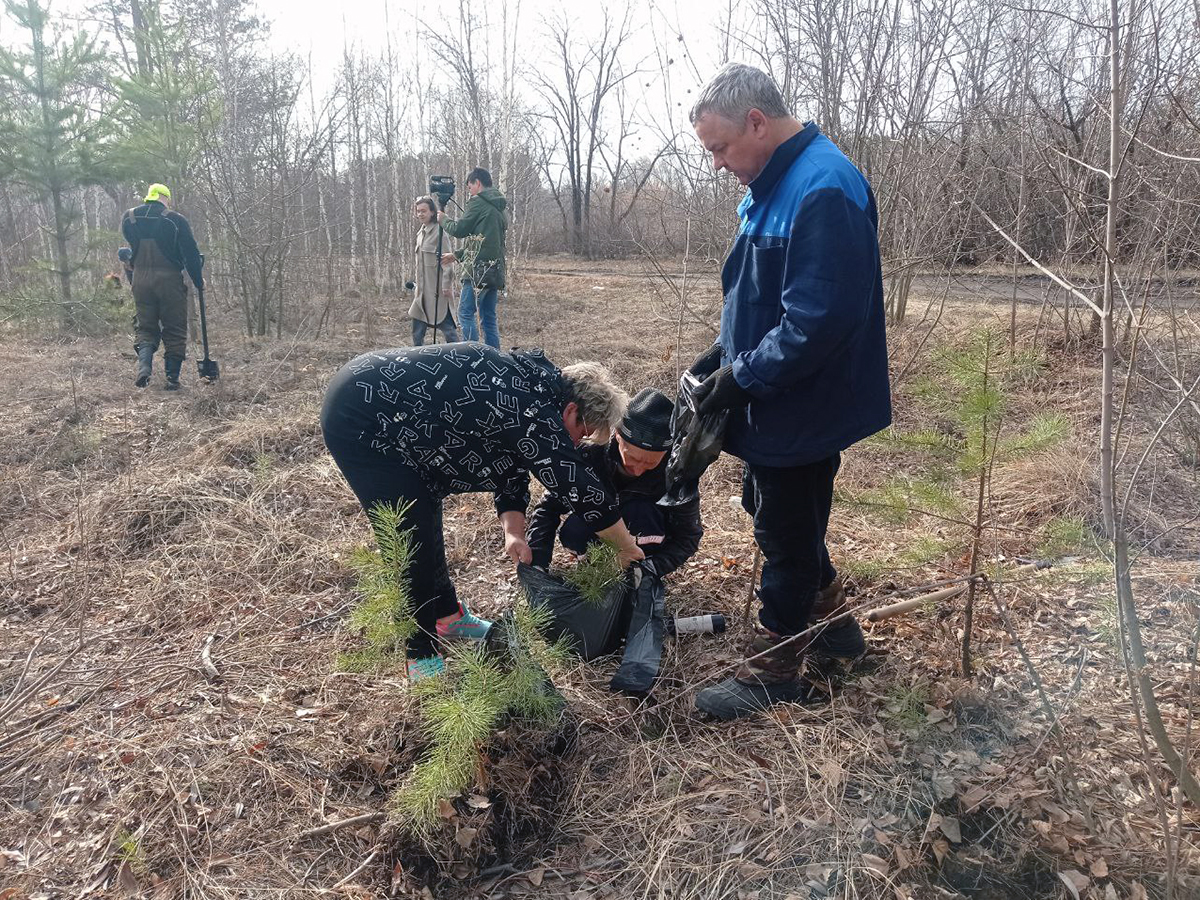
593,629
697,444
644,641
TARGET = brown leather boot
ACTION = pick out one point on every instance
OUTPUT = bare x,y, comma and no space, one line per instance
761,681
843,640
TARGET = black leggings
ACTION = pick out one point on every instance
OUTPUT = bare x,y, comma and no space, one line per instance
376,478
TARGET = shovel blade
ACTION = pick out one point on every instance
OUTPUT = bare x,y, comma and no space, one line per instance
208,369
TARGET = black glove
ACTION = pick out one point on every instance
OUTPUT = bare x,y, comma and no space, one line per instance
720,391
707,362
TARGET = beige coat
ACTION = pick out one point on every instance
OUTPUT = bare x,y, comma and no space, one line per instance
427,307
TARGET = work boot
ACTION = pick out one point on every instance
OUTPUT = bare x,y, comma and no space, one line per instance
173,364
145,363
761,681
843,640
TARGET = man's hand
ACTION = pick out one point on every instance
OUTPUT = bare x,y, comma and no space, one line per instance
447,259
441,216
720,391
707,362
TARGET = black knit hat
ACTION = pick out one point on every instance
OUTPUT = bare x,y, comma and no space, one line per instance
647,421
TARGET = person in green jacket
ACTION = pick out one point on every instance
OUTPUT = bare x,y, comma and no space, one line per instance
481,229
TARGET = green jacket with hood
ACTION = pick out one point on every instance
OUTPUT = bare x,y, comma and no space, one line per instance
484,216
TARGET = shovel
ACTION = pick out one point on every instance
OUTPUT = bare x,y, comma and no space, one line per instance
208,369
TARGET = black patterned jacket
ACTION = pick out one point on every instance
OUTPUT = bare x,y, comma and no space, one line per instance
468,418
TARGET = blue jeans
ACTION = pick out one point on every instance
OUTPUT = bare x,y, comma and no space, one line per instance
487,314
446,327
791,514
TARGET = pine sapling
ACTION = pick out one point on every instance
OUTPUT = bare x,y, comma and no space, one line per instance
384,614
597,571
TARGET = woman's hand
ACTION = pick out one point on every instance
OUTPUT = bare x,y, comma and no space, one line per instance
518,548
627,556
628,551
512,523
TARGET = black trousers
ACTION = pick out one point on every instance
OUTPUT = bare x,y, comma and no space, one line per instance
790,507
376,478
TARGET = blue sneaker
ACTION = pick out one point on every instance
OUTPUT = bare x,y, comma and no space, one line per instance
467,627
429,667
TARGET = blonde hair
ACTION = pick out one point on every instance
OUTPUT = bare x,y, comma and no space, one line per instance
601,403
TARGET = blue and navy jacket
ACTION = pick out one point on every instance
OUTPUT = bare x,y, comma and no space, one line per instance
803,322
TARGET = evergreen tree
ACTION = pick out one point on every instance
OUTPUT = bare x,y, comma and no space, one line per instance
51,142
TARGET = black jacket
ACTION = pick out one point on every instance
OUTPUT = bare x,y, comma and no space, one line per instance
154,222
468,418
667,534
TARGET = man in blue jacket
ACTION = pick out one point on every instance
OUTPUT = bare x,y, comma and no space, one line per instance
801,363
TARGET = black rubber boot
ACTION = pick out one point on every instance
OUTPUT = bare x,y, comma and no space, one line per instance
843,640
145,364
173,364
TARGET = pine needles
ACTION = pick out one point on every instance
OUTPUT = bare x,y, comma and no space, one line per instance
597,571
384,615
463,709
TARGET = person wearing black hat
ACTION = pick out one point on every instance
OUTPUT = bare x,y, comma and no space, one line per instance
633,466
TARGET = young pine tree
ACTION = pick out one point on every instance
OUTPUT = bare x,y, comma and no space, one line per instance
51,141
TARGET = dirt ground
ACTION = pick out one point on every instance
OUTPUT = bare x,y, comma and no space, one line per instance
173,594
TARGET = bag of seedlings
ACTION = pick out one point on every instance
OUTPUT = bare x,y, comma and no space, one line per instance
590,624
697,444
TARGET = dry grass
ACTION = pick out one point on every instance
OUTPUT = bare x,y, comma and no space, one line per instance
149,536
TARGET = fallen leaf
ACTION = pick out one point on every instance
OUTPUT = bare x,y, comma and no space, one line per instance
941,848
903,861
535,877
445,808
762,761
475,801
951,829
1137,892
972,797
832,772
943,785
736,849
1075,881
127,881
127,757
8,894
876,864
1099,868
592,842
465,836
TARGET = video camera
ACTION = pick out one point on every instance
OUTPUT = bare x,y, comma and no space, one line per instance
442,187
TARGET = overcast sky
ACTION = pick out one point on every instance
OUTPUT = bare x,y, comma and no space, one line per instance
321,29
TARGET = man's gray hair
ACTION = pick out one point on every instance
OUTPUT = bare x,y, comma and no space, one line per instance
735,90
601,403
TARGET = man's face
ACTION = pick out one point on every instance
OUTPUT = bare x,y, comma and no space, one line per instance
636,460
576,427
422,213
474,187
742,149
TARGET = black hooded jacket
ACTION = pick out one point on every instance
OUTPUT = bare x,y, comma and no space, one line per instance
154,222
669,535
